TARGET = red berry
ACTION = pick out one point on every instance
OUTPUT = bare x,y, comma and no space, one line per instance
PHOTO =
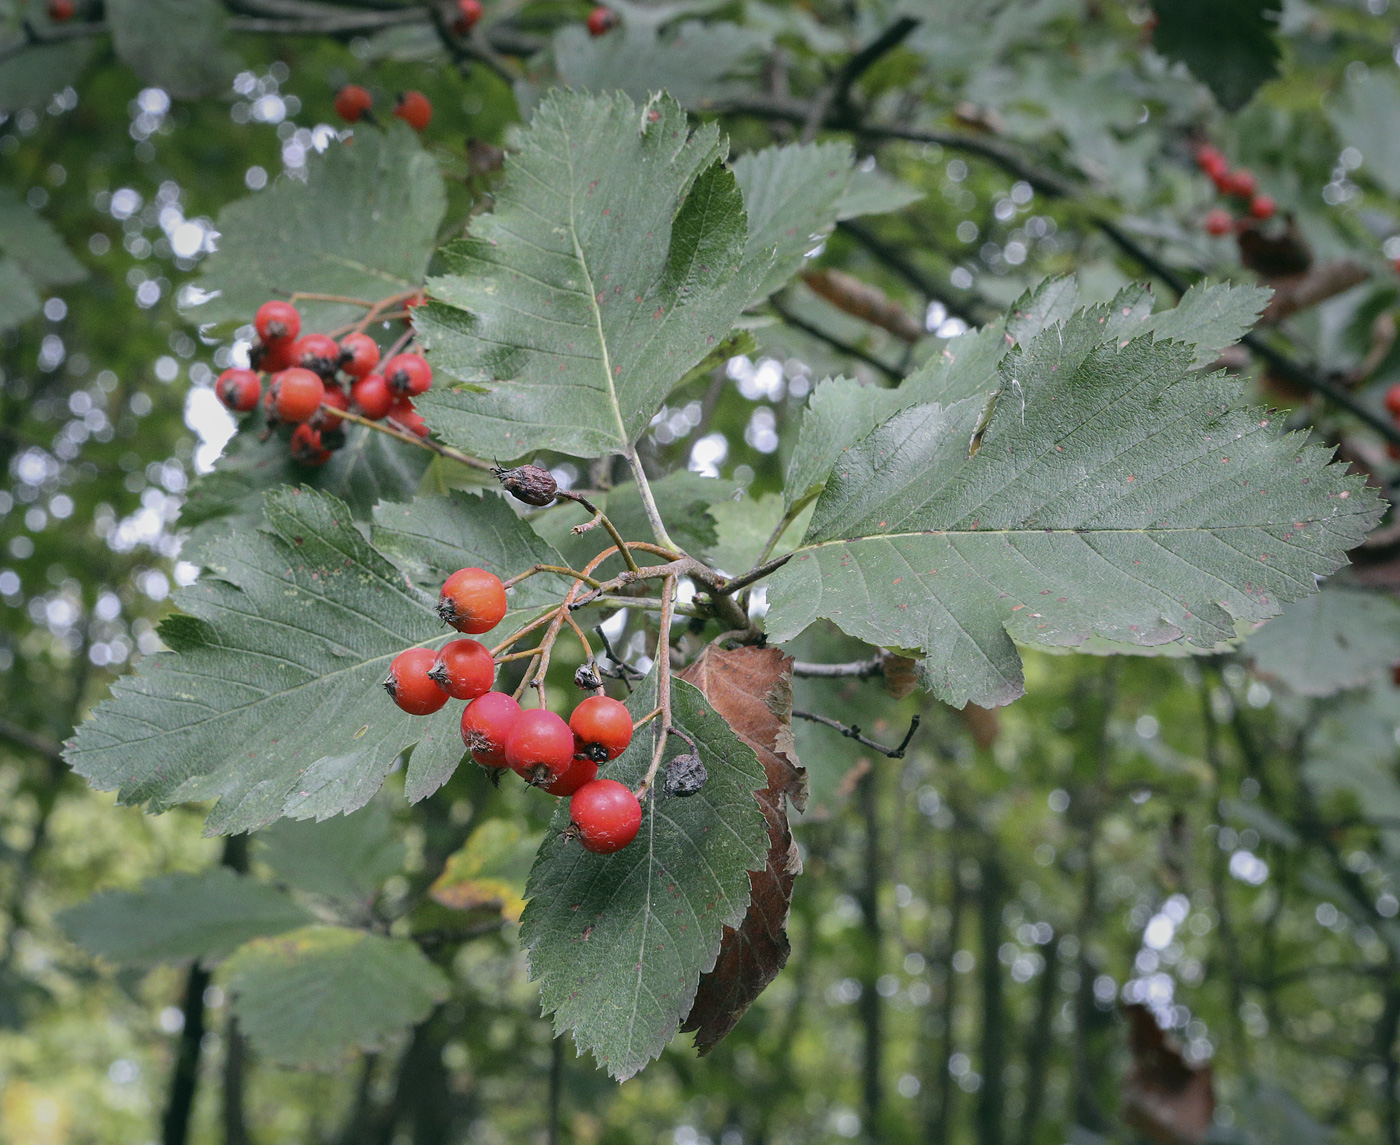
277,322
606,815
465,669
1262,207
601,20
324,418
409,684
581,771
1210,160
468,13
240,390
61,11
1218,222
359,354
414,109
540,746
602,727
1392,401
486,722
307,447
271,357
371,393
408,374
352,101
296,394
473,600
1223,181
318,352
403,413
1241,183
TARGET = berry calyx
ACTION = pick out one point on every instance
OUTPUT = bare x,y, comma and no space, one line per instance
601,20
406,417
408,374
277,322
602,728
239,390
581,771
409,684
464,669
1262,207
472,600
605,815
486,722
1392,401
307,446
296,394
468,13
326,419
528,483
540,746
1211,160
414,109
61,11
586,677
1218,222
372,395
318,352
359,354
352,101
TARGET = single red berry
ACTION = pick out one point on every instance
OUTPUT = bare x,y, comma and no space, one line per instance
468,13
601,20
277,322
1392,401
465,669
240,390
581,771
1211,160
602,728
372,394
473,600
325,419
1262,207
1242,184
408,374
606,815
318,352
416,301
414,109
296,394
409,684
1218,222
271,357
307,446
486,722
359,354
403,414
61,11
540,746
1223,181
352,101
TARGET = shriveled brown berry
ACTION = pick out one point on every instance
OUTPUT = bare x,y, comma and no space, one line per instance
587,677
529,483
685,775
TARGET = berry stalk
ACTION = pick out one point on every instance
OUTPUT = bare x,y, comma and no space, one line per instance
663,686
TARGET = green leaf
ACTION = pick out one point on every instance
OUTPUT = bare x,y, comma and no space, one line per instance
792,195
346,858
31,77
310,997
1368,118
613,262
490,870
33,242
873,192
1113,493
618,942
272,702
1337,638
362,225
1209,316
18,300
742,528
1229,45
177,918
177,45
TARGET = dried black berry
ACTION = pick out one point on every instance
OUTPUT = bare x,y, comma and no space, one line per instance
587,677
685,775
528,483
333,438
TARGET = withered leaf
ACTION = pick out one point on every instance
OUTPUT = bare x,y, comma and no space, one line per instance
1164,1096
752,689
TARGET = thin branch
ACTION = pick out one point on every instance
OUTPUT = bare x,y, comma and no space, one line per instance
837,94
894,258
30,741
853,732
560,569
600,518
663,686
658,526
411,438
858,669
831,340
757,573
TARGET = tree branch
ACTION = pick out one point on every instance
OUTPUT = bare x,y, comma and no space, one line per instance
853,732
30,741
835,343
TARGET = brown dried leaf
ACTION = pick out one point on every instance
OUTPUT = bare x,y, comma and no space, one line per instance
1164,1096
983,723
752,689
861,300
901,674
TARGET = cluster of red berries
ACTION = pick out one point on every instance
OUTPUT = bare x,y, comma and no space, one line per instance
561,758
1240,185
354,103
311,377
